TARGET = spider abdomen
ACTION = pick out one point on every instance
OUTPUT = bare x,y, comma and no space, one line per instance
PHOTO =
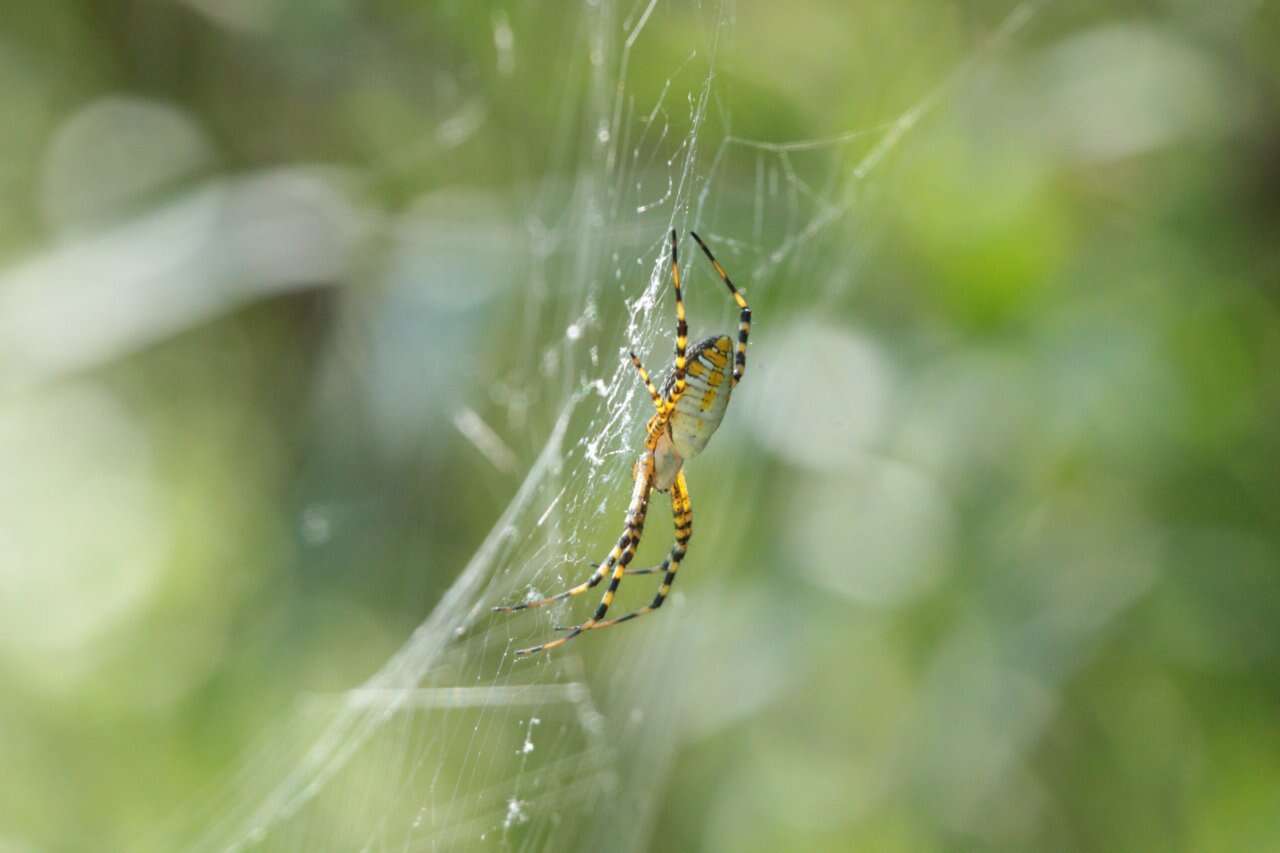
701,408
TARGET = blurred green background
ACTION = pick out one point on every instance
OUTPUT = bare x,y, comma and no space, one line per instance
988,548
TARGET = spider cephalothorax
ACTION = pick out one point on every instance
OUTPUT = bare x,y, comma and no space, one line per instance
690,407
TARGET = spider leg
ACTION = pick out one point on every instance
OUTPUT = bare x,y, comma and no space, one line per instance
682,509
661,567
635,528
682,333
627,542
632,570
744,314
598,575
648,383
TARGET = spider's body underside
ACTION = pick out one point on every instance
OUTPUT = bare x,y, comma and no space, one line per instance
689,409
698,412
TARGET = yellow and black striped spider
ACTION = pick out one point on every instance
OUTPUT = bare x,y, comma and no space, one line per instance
690,407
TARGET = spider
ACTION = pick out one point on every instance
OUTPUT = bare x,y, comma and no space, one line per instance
690,406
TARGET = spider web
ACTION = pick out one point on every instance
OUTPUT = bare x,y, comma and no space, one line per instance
455,743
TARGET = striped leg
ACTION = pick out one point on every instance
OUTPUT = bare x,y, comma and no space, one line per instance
744,314
626,544
635,527
598,575
648,383
682,331
682,508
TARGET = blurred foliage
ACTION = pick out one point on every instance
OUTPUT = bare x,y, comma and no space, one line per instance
995,518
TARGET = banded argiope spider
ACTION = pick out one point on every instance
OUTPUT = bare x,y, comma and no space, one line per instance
690,408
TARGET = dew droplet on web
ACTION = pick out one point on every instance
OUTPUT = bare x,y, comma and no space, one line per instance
515,813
